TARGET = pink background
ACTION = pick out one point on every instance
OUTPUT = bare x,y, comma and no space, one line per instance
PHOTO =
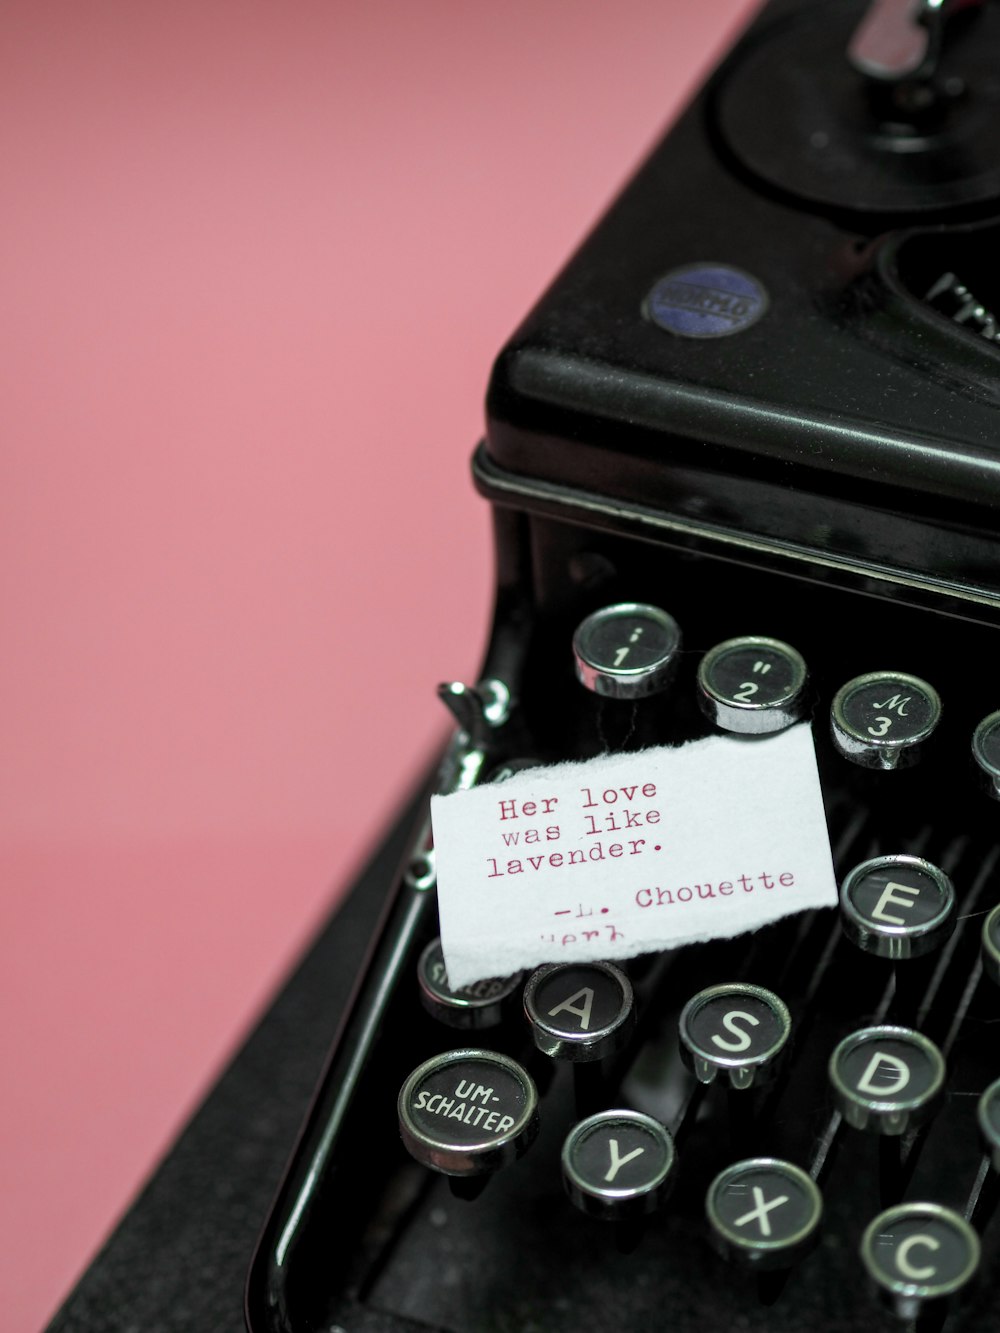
256,259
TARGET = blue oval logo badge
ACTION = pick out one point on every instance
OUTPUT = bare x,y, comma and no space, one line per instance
706,301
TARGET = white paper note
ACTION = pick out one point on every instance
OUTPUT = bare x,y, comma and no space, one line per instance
630,853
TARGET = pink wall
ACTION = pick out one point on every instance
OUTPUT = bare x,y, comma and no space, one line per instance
255,261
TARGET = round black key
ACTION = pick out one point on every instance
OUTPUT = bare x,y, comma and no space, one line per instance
764,1212
478,1006
988,1115
738,1029
991,945
879,720
897,906
919,1252
466,1113
752,685
579,1011
887,1079
627,651
618,1165
986,752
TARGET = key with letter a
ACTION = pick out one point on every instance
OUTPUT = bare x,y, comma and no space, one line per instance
583,1013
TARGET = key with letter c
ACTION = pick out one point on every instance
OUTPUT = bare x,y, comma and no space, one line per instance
919,1252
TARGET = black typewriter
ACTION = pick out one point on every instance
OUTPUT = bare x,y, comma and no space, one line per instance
744,466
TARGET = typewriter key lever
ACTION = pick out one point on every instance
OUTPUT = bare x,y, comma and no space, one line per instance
468,1113
735,1029
887,1080
918,1254
898,116
478,709
990,946
880,720
581,1013
900,40
986,753
752,686
626,651
897,907
618,1165
475,1007
988,1116
764,1213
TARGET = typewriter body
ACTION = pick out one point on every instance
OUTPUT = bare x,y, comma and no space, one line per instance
763,398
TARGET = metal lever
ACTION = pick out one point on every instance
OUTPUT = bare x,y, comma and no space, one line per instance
478,709
899,40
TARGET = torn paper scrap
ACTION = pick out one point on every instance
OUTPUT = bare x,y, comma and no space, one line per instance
630,853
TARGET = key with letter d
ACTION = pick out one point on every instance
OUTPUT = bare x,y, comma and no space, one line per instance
887,1080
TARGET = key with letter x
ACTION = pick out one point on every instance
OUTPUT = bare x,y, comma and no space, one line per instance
764,1212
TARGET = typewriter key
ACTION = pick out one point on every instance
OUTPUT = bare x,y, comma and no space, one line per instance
627,651
764,1212
990,950
473,1007
467,1113
738,1029
897,906
880,720
752,685
618,1165
988,1115
887,1079
919,1252
986,752
580,1012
